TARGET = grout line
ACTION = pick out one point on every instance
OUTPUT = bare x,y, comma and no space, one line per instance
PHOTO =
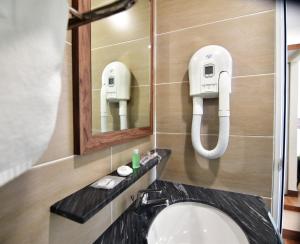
98,89
255,75
141,86
254,136
215,22
120,43
52,162
234,77
169,83
205,134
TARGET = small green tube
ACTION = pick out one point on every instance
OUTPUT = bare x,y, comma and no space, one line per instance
136,159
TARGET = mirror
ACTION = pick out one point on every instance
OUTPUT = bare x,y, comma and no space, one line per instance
112,75
120,68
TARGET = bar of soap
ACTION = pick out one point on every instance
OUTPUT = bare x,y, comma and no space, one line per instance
124,170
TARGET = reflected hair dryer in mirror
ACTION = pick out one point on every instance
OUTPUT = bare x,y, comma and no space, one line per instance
116,89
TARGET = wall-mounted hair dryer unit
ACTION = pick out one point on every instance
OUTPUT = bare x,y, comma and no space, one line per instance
115,88
210,72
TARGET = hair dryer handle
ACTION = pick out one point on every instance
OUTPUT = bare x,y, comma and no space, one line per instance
224,91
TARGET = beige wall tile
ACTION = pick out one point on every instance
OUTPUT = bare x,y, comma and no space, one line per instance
136,55
129,25
100,3
25,202
61,143
63,230
139,107
245,167
121,154
247,117
69,37
252,106
174,108
177,14
250,40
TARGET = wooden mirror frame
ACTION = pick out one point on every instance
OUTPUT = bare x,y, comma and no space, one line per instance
84,140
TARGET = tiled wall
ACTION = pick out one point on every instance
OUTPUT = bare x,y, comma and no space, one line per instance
25,202
247,29
124,37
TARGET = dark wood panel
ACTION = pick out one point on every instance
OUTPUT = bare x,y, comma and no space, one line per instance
291,208
291,235
288,241
292,203
292,193
84,141
293,47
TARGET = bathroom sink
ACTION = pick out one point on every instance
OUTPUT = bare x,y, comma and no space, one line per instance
194,223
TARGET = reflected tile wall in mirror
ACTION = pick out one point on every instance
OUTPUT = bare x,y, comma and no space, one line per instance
124,37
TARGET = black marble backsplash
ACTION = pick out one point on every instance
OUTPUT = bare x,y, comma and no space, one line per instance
85,203
249,212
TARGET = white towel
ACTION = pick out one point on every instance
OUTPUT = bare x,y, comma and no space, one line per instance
32,35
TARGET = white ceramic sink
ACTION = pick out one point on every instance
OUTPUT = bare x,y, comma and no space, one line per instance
194,223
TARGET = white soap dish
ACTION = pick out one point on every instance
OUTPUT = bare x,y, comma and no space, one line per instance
124,170
107,182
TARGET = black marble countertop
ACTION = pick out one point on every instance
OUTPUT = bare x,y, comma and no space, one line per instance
85,203
249,212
